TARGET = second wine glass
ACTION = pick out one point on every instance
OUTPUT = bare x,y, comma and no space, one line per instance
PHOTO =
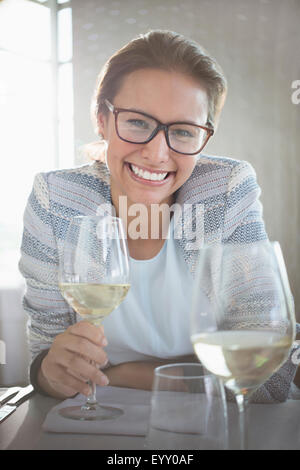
243,322
94,280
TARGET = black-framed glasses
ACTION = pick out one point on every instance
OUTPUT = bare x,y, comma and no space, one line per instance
139,128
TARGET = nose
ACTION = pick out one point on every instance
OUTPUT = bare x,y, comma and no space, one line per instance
157,149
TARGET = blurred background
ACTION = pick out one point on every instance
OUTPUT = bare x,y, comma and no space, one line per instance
50,55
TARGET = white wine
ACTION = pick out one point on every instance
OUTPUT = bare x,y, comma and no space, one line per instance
244,360
94,301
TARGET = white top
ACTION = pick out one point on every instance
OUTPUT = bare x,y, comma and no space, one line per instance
154,318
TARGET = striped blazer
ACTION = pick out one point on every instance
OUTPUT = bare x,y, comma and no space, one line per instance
225,189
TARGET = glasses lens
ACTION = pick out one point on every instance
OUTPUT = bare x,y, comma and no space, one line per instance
135,126
186,138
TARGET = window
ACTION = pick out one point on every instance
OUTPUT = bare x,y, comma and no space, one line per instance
36,108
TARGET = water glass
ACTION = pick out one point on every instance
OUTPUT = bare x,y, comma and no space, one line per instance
188,410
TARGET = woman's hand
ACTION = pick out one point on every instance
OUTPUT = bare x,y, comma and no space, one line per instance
67,367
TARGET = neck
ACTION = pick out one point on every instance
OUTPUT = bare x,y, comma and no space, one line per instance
143,221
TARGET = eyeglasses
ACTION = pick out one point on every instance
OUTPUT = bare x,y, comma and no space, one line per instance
139,128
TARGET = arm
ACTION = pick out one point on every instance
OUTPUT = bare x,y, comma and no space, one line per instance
140,374
297,377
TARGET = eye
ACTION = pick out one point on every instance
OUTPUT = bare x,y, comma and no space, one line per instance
181,133
138,123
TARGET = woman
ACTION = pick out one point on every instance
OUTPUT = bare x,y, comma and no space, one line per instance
157,103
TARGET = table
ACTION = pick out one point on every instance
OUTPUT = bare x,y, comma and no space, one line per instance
22,430
271,427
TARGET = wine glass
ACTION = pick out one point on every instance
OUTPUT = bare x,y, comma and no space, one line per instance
94,280
242,318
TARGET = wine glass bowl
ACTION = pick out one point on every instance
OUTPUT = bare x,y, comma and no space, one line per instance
94,280
94,269
242,319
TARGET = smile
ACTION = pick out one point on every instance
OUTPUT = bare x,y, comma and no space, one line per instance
148,175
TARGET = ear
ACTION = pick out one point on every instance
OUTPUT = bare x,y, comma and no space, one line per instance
102,125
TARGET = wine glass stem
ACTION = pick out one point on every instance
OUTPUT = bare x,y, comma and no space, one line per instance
91,399
242,402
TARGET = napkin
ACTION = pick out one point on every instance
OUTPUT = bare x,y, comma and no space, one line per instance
134,403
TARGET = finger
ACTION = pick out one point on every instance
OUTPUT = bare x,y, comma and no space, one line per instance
84,370
59,376
83,347
93,333
78,354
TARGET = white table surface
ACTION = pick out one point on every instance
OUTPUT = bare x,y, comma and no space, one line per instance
271,427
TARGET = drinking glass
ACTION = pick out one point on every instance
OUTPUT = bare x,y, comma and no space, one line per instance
188,409
94,280
242,317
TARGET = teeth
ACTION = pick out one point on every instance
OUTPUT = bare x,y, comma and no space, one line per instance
146,175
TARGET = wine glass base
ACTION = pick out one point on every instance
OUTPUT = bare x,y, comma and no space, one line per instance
96,413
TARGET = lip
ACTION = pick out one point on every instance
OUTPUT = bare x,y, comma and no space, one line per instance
149,182
151,170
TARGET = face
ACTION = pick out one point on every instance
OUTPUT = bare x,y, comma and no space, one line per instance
168,97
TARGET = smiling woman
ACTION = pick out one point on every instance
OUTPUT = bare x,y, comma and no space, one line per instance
157,101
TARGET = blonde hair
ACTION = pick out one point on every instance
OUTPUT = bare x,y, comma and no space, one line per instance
158,49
